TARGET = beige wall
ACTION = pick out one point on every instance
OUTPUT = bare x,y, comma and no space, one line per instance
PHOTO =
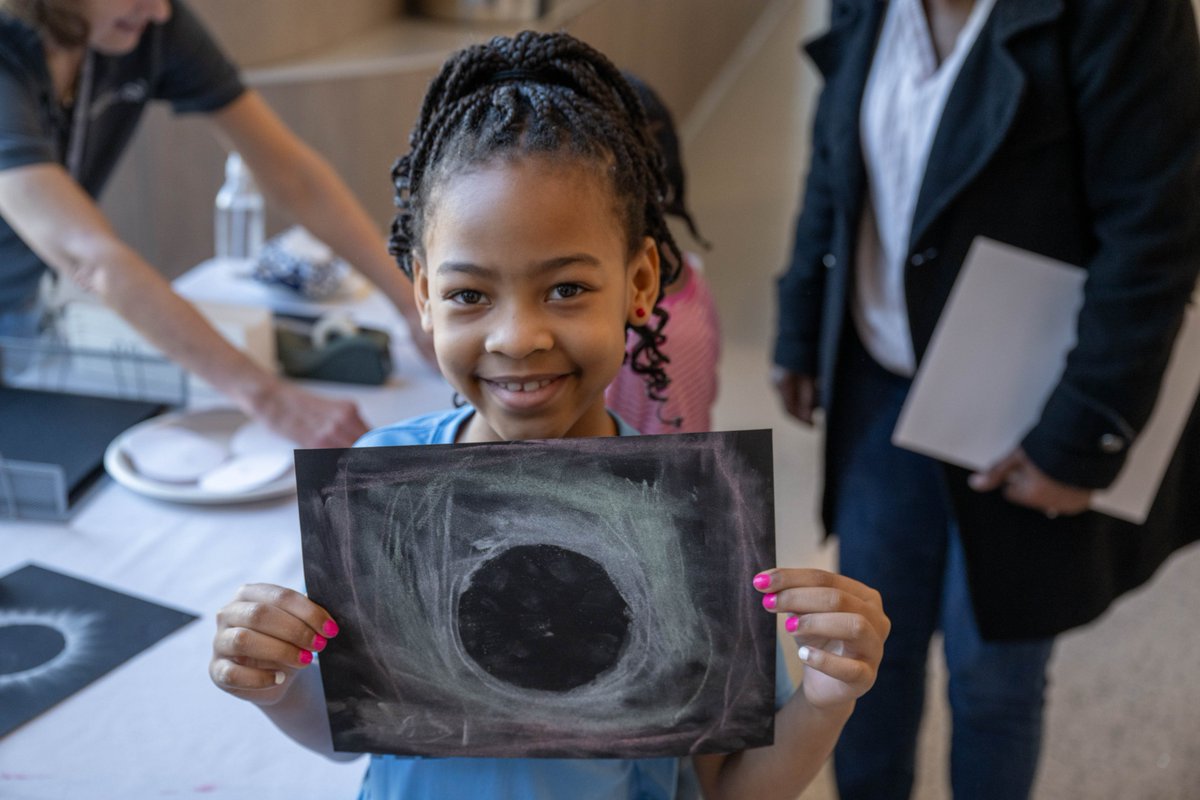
746,161
297,27
357,106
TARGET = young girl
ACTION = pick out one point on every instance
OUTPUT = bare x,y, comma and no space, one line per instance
531,226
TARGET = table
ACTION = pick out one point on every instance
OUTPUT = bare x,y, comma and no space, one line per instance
156,726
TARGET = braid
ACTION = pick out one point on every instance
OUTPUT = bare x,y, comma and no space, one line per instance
547,94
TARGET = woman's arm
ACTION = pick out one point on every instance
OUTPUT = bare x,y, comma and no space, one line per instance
800,289
841,627
297,178
66,229
1127,63
1135,81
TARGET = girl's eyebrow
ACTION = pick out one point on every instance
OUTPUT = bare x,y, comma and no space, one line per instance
479,271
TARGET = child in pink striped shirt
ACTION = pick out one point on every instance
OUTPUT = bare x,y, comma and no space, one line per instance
693,332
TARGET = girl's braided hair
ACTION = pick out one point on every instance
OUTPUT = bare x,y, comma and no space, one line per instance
552,95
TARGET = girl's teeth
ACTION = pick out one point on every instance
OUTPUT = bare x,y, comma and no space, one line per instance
525,387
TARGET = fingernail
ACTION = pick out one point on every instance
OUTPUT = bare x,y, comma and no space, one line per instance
762,581
319,643
280,677
804,653
770,601
975,481
305,657
792,624
330,628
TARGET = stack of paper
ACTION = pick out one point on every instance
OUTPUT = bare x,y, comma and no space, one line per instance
998,352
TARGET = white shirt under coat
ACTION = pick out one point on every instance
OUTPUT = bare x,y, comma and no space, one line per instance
902,104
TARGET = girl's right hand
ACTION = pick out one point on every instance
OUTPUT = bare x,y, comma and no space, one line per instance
264,636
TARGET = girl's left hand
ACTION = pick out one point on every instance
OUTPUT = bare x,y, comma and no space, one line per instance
839,627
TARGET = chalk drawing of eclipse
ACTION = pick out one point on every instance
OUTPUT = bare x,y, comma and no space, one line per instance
543,617
37,647
551,599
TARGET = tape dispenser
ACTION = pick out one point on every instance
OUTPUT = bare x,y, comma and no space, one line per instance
332,348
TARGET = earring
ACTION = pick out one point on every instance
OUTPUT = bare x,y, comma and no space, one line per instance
639,312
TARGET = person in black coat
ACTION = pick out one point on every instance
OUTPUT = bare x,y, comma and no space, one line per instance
1072,130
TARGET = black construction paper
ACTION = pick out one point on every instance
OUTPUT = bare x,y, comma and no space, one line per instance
585,597
58,634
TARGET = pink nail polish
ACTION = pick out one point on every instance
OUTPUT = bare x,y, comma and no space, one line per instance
319,643
762,580
792,624
330,628
305,657
770,601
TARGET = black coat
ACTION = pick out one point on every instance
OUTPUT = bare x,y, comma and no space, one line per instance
1073,130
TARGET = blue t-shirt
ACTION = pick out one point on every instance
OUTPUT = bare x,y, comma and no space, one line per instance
395,777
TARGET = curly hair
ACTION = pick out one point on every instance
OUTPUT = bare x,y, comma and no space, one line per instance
61,20
551,95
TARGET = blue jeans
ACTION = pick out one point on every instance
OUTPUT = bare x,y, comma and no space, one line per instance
897,533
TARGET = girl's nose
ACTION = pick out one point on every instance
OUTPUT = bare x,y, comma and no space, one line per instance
519,334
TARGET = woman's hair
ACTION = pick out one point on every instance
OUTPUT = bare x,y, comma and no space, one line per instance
61,20
551,95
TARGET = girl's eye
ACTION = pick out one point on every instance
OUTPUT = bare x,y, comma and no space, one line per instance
468,297
565,291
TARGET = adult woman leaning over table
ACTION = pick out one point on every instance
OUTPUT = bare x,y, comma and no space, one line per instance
75,76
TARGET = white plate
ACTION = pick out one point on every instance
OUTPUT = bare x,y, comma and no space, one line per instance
172,453
241,474
218,425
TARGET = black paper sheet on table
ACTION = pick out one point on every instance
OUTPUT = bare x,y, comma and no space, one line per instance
58,634
585,597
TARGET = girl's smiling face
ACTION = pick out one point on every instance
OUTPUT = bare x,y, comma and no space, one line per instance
526,282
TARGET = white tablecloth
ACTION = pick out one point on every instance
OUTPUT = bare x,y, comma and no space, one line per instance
156,726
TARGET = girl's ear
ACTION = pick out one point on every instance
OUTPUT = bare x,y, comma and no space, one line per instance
643,273
421,292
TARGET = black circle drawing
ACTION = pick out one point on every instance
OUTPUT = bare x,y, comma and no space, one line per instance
28,646
543,617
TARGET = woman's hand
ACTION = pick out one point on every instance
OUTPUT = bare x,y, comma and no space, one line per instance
308,419
264,636
797,392
1026,485
839,627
